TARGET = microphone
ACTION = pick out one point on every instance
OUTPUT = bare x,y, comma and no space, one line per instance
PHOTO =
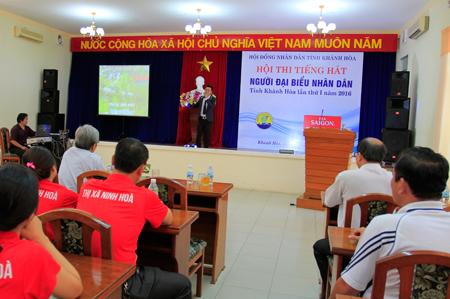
320,120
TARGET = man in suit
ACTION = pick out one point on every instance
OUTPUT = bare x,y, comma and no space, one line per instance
205,115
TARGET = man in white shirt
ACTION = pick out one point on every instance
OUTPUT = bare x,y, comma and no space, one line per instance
80,158
369,178
420,177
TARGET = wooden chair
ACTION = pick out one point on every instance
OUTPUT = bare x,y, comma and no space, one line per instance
7,157
446,207
364,201
91,175
407,263
89,222
172,186
197,246
330,218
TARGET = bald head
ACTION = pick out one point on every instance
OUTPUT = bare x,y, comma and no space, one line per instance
372,149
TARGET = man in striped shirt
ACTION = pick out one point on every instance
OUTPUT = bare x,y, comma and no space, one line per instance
419,178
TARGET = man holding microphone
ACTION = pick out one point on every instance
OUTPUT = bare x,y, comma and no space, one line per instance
205,115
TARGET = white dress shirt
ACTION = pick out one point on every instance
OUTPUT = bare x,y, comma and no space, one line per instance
76,161
370,178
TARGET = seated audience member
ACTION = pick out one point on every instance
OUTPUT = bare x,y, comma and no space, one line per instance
31,267
370,177
19,134
127,208
420,176
80,158
51,196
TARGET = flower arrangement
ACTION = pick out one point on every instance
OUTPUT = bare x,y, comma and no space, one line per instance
189,98
147,168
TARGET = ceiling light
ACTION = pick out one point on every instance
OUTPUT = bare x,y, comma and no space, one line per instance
322,29
93,31
196,29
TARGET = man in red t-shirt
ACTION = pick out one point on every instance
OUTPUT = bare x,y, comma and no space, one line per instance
125,207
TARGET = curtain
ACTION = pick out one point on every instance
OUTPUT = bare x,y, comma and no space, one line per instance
231,118
165,78
376,85
216,77
442,132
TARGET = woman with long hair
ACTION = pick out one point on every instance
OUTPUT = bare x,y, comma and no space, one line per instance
31,267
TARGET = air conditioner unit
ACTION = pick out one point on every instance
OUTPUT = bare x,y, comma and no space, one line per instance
28,34
419,27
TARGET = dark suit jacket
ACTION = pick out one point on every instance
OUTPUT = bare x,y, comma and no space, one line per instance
208,111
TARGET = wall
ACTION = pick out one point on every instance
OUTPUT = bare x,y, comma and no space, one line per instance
424,65
21,68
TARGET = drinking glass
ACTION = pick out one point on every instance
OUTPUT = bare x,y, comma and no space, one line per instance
203,179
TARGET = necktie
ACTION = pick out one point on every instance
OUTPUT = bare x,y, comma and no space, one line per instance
203,105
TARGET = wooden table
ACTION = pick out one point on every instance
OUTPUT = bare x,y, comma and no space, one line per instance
340,246
101,278
212,204
167,247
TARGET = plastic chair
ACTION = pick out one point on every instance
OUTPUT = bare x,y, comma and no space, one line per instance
407,263
89,222
7,157
197,246
90,175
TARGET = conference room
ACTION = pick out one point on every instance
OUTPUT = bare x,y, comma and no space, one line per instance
268,238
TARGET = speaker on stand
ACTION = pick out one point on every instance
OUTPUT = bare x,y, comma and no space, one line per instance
396,141
56,120
50,79
395,134
50,100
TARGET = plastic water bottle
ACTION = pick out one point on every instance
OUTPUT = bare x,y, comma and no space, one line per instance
153,186
210,174
190,175
445,195
110,168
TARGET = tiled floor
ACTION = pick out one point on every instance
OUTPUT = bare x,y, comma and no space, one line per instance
269,249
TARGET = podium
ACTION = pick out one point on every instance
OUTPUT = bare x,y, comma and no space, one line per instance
327,153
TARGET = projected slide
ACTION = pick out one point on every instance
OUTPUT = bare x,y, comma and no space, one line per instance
123,90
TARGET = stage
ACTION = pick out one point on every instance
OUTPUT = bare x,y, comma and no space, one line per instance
245,169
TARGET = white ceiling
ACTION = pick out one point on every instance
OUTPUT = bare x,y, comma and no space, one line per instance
147,16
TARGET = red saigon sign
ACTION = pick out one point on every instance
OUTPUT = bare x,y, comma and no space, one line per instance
317,121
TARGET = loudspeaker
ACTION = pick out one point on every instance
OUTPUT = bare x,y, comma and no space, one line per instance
397,113
50,101
50,79
56,120
399,84
396,141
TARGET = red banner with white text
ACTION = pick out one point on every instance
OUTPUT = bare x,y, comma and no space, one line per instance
243,42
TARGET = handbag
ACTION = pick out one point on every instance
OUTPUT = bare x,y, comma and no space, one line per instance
139,286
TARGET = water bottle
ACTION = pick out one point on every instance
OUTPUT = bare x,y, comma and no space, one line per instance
445,195
110,168
153,186
210,174
190,175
